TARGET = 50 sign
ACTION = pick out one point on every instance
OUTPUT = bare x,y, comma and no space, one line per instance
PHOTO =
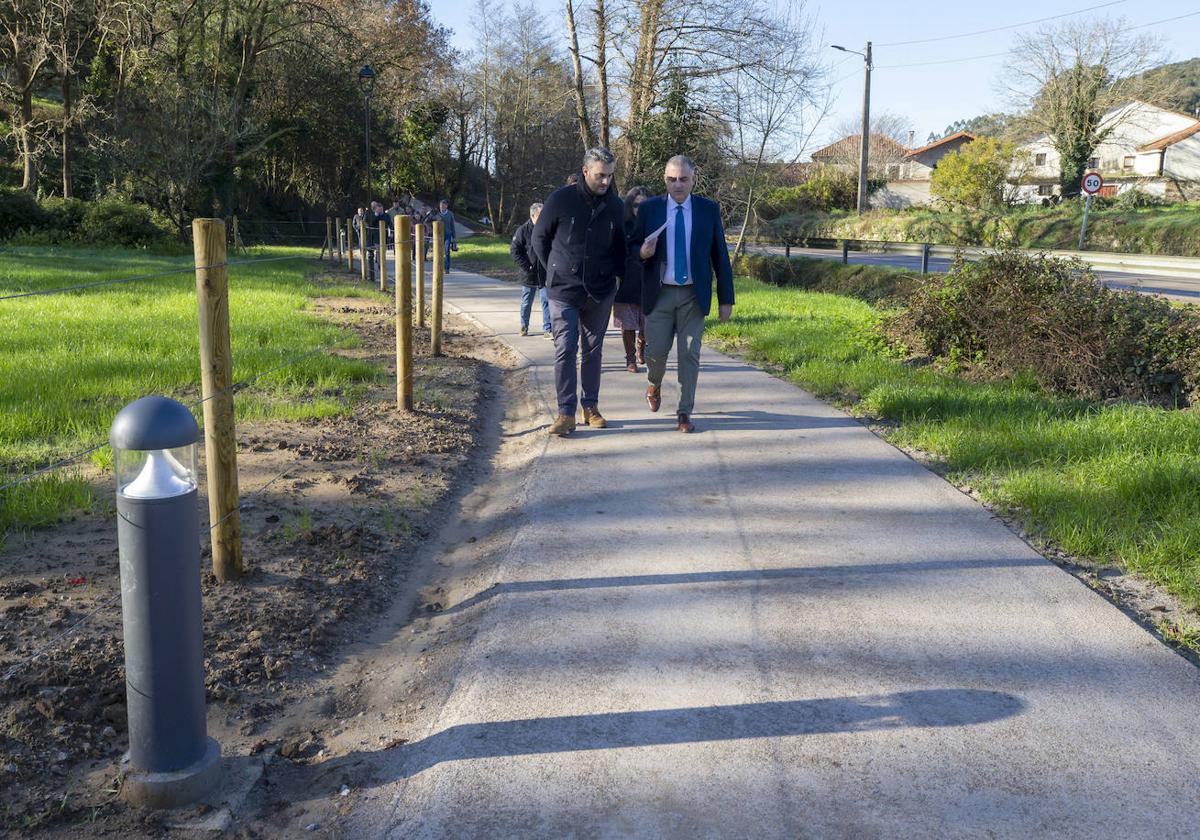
1091,184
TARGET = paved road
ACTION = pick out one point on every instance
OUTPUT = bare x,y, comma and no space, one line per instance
781,627
1175,288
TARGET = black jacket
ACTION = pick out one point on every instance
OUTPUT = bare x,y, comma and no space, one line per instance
523,255
580,239
630,290
372,222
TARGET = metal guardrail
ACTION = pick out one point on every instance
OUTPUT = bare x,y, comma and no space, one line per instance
1157,264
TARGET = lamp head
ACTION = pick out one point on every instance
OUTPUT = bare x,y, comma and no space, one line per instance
366,78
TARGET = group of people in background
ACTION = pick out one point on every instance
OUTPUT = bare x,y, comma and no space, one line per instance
648,262
368,219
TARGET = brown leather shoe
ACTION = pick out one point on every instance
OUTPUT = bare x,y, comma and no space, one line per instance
654,397
593,418
633,368
563,425
685,425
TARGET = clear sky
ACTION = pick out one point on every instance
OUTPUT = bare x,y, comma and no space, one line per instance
930,96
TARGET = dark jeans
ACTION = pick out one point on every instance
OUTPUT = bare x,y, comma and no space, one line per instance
528,293
448,252
588,322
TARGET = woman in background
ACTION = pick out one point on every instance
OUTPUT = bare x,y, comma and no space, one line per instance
627,306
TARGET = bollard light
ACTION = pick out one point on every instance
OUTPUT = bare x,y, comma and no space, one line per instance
171,760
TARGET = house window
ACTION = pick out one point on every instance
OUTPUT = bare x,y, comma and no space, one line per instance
1039,159
1094,163
1045,189
1127,163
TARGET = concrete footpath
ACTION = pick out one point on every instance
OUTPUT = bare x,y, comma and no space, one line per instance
781,627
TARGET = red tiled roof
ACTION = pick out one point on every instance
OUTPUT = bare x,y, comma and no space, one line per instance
851,144
955,136
1170,139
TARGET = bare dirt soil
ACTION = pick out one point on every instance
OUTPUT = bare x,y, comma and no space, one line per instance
335,514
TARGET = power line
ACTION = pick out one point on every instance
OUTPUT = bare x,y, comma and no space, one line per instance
1002,28
943,61
998,54
1164,20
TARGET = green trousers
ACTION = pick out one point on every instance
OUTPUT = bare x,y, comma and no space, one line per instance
675,319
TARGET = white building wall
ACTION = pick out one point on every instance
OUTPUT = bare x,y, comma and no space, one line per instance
1183,159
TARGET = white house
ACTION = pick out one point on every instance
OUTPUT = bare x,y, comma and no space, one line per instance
909,179
1148,148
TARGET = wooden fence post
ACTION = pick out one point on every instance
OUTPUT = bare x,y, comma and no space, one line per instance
383,256
439,260
329,238
349,243
419,300
404,336
216,376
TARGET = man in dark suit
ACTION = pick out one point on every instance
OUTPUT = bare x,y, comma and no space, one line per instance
681,240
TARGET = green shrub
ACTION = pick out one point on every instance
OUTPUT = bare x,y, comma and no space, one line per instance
19,211
1136,199
116,221
64,219
870,283
1010,314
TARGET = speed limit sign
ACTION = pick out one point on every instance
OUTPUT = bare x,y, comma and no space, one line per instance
1092,182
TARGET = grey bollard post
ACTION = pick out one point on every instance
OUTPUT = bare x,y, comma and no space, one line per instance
172,761
925,258
845,252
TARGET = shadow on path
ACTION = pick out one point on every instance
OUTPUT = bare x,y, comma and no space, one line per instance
740,576
615,730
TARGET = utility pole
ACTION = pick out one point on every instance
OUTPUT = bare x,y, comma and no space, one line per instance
865,136
864,155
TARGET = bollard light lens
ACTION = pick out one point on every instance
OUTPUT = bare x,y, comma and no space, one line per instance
156,473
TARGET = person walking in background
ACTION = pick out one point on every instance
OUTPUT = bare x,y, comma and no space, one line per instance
627,306
451,236
682,241
580,239
535,273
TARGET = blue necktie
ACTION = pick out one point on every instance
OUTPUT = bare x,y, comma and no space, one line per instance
680,247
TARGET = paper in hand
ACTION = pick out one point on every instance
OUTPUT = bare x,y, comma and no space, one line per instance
657,232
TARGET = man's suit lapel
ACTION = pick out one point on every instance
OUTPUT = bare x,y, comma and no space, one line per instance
660,264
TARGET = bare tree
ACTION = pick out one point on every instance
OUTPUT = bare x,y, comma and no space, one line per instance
702,40
581,111
25,27
1066,78
889,144
773,106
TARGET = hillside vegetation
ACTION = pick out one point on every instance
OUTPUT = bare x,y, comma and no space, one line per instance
1169,229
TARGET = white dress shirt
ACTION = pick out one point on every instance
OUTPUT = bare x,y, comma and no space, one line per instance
669,276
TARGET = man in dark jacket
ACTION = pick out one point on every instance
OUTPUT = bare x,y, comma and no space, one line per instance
535,273
580,239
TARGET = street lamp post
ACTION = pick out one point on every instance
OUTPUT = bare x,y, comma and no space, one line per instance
366,81
865,138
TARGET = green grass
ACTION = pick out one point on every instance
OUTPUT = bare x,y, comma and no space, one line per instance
1117,483
69,362
492,250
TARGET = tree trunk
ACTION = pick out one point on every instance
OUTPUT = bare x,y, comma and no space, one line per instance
641,82
29,173
581,114
602,71
68,111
